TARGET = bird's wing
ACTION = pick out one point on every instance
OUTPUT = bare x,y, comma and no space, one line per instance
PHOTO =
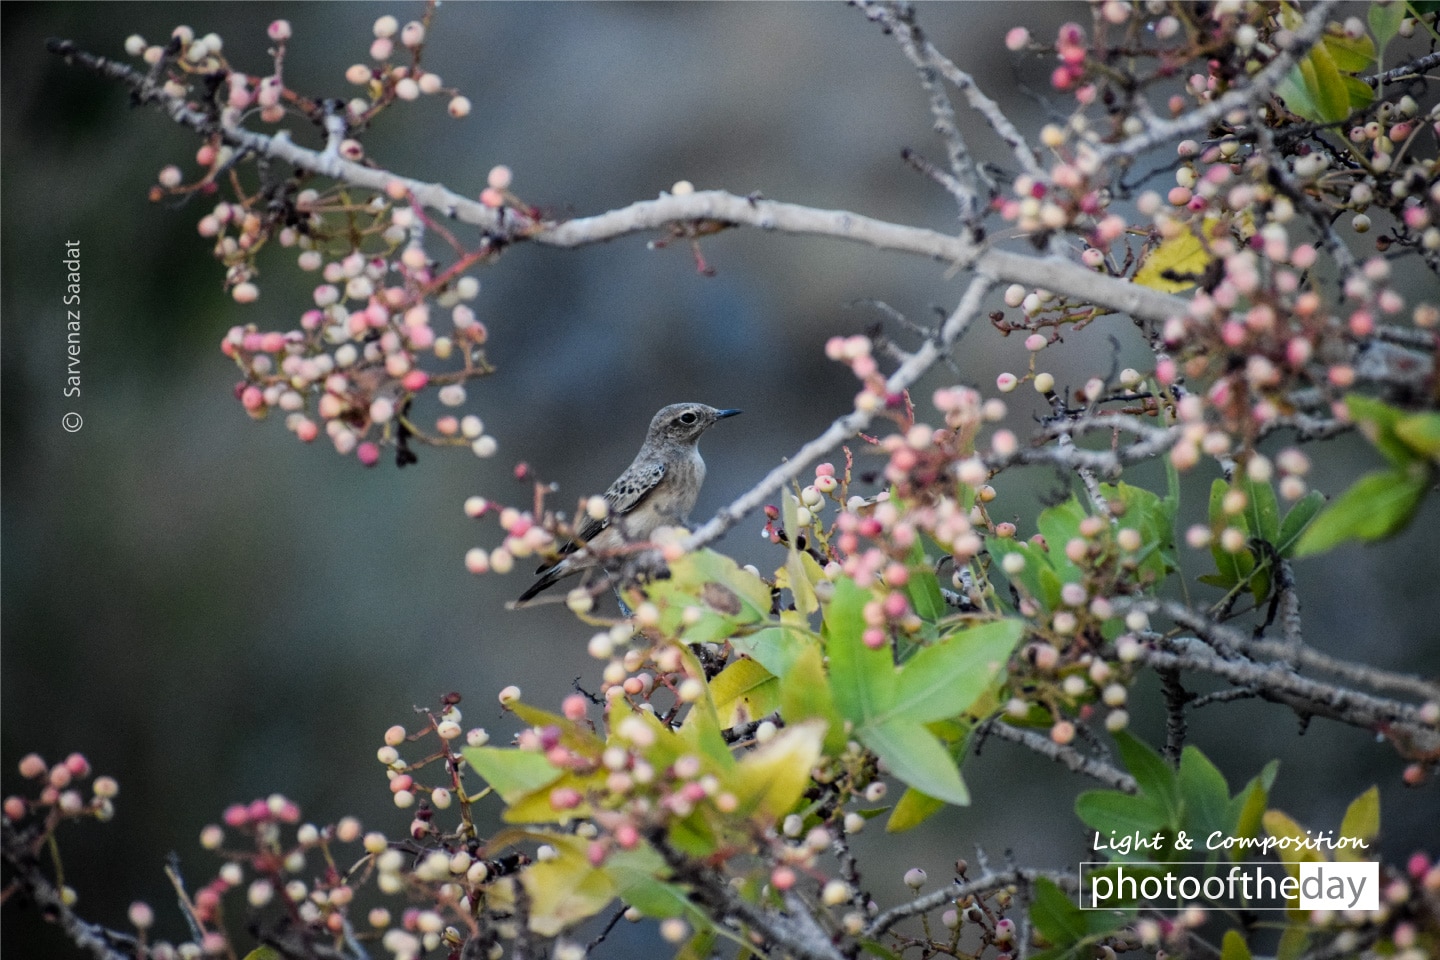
624,495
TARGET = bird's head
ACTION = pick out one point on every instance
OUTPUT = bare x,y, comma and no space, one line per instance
684,422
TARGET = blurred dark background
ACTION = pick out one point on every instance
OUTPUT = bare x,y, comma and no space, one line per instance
212,611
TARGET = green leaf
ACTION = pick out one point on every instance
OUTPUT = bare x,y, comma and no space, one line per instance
1325,84
1385,25
1154,519
640,877
1292,91
923,589
264,952
701,946
1377,506
862,680
730,598
1233,568
775,648
1246,809
1112,813
1233,947
1056,916
945,678
917,757
1358,92
805,694
1028,582
913,809
874,948
1059,525
1421,433
1262,513
1296,521
1204,792
1151,772
1294,942
701,728
1378,422
513,773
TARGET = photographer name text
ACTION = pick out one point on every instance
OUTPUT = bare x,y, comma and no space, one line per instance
71,300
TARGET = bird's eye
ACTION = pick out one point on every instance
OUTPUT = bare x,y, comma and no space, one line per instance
687,418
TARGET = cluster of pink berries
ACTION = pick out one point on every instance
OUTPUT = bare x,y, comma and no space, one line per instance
59,790
385,81
639,784
524,536
856,353
357,362
363,355
1066,682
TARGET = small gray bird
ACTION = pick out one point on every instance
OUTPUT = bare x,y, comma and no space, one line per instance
659,488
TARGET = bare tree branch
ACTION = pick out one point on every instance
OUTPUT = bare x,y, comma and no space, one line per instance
1277,683
713,206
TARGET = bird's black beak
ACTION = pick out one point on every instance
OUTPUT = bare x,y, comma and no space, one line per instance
722,414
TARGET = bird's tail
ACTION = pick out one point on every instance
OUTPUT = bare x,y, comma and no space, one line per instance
549,579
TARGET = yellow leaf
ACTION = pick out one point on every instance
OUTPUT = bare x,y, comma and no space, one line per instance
566,889
1362,822
534,807
772,778
1176,264
1280,826
1179,262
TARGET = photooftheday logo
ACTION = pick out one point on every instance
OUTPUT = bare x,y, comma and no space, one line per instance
1252,886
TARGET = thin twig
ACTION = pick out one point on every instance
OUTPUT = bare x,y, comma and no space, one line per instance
887,14
847,426
708,888
97,941
1069,757
955,891
1258,89
1405,71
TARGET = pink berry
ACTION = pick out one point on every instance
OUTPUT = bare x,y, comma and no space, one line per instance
78,765
32,766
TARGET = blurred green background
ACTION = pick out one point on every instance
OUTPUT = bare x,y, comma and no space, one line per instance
212,611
